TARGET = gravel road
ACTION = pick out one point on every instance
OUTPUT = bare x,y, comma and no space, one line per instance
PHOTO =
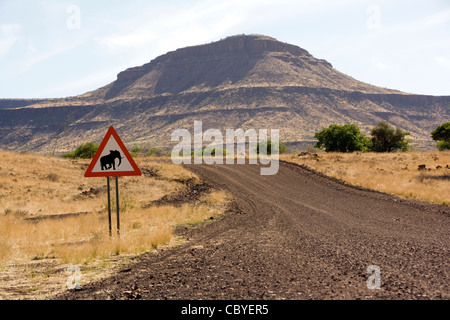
296,235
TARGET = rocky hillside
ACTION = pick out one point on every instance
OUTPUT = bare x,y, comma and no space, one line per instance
238,82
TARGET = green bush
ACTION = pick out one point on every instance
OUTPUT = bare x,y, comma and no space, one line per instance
134,152
443,145
346,138
85,151
386,138
442,135
282,148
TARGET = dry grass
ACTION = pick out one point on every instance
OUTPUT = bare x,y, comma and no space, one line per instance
394,173
50,213
42,185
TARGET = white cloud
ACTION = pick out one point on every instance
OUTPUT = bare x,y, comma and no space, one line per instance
430,21
37,58
437,19
189,24
84,84
126,41
443,62
9,34
378,64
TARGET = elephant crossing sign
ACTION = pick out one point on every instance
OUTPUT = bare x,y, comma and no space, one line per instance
112,159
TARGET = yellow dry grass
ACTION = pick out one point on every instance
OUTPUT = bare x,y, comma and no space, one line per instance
393,173
50,212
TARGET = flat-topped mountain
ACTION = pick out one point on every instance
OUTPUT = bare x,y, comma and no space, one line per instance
232,63
239,82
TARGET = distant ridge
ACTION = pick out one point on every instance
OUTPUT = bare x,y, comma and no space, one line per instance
243,81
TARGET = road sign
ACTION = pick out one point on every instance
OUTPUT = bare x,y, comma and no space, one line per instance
112,159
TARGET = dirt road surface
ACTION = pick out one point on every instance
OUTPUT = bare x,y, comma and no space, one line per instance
296,235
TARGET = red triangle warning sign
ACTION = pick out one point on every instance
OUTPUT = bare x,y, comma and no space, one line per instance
112,159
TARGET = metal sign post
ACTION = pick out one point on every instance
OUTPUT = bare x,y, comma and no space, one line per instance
109,206
104,164
117,204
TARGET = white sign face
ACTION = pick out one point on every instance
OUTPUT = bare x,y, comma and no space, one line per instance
112,158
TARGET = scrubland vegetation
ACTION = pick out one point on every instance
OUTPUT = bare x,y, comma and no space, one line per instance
52,217
395,173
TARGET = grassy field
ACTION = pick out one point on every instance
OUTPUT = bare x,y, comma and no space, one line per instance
393,173
51,218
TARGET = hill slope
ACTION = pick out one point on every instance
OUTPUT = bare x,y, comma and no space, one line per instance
238,82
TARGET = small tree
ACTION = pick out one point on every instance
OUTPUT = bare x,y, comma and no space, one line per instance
386,138
442,135
346,138
85,151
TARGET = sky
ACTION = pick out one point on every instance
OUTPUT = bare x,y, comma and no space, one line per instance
58,48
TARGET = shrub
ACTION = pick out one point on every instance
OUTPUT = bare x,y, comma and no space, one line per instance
443,145
282,148
442,135
346,138
85,151
386,138
135,151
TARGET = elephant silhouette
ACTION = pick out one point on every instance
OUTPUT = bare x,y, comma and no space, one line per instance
109,160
